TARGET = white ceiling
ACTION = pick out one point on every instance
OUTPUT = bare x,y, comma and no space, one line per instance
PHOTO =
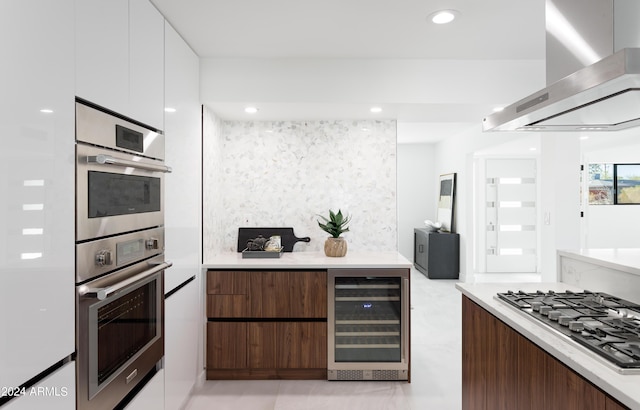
498,32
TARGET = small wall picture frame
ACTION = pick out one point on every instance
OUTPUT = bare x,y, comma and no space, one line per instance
446,202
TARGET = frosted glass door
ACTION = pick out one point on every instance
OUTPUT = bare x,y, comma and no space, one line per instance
511,227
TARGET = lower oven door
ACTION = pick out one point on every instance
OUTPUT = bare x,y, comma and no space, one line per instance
119,331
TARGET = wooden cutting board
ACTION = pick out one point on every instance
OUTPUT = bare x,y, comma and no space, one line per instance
287,237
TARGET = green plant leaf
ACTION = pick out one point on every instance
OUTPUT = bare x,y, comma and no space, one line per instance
336,224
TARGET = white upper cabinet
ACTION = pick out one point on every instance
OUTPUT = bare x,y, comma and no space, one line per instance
37,187
146,63
120,57
102,52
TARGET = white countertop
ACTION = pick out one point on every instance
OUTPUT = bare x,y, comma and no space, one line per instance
310,260
625,388
622,259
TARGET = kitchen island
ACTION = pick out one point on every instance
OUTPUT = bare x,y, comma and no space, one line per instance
267,317
512,361
613,270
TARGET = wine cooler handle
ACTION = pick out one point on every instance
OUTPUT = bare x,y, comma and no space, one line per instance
405,319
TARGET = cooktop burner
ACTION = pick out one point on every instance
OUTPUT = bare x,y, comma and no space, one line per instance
602,323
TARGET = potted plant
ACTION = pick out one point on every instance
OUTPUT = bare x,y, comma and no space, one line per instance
335,225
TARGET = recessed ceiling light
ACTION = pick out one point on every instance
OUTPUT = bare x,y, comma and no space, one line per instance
443,16
498,109
169,109
376,109
251,110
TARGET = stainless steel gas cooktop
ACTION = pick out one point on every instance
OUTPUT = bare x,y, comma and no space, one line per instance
604,324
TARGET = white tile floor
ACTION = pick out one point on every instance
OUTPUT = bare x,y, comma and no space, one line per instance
435,369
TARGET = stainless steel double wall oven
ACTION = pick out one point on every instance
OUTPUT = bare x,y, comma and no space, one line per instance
119,255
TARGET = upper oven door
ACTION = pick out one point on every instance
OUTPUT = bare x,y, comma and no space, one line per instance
116,192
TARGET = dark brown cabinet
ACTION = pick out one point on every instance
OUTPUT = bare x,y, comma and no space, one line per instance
267,324
501,369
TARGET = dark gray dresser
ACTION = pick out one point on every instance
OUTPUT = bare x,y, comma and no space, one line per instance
436,254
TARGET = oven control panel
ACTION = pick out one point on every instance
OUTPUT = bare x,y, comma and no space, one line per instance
95,258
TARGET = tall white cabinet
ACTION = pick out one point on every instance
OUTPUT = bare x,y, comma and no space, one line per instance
183,327
37,190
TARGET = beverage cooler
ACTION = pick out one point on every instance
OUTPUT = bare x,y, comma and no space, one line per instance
368,324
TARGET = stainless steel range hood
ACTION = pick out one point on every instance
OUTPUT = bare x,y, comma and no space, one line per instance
603,96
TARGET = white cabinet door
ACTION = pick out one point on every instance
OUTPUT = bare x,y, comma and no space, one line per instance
151,396
120,57
183,315
102,53
146,59
56,392
37,187
183,320
184,153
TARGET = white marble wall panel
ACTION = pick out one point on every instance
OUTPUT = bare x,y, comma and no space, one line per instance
286,173
213,215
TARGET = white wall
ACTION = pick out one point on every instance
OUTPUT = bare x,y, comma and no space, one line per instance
357,80
559,187
560,198
611,226
433,91
416,192
455,154
286,173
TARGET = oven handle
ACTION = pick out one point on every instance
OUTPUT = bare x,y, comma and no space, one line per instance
103,293
109,160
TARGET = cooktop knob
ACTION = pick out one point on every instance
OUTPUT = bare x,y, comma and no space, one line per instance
544,310
536,306
576,326
554,315
564,320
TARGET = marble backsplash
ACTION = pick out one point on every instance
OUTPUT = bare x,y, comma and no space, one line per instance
286,173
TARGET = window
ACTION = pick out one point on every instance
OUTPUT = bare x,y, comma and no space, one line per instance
627,183
614,184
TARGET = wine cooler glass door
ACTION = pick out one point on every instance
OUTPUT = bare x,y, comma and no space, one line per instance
368,319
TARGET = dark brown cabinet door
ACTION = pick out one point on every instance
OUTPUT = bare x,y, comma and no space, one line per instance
302,345
226,345
228,294
289,294
501,369
270,294
262,345
308,294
